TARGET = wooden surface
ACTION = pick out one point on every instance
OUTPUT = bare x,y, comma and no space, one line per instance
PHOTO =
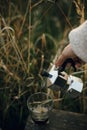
60,120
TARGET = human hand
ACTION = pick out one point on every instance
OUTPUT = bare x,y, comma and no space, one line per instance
67,53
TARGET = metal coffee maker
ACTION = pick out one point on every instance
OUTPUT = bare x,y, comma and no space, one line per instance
59,79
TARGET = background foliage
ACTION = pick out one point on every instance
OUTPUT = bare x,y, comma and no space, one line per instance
32,32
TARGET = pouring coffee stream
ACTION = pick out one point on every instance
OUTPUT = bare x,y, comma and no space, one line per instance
59,79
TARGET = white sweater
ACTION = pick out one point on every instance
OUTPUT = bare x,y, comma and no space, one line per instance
78,41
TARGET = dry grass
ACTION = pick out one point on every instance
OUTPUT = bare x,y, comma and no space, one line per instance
20,60
22,57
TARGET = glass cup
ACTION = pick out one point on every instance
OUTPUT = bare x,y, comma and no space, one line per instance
39,105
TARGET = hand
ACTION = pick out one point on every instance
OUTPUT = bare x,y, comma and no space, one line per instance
67,53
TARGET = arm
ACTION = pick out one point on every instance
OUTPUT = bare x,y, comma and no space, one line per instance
77,49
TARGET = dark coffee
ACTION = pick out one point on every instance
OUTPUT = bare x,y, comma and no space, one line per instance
41,122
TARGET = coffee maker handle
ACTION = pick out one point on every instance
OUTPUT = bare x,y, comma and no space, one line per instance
69,60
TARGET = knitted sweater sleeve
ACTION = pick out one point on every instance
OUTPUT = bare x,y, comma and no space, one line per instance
78,41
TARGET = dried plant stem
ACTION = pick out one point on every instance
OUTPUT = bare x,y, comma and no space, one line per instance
36,4
29,35
24,18
11,35
80,10
19,54
67,20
